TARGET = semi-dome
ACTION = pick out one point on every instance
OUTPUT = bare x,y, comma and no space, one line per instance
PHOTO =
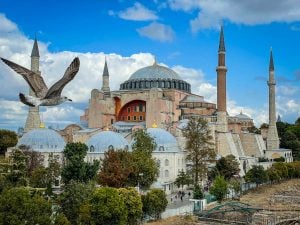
43,140
105,140
164,140
155,76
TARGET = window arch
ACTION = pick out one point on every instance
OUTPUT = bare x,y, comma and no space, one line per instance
161,148
167,173
167,162
92,148
110,147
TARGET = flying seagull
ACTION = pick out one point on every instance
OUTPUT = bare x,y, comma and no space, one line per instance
44,96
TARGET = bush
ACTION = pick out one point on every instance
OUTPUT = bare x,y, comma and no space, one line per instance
219,188
198,193
154,203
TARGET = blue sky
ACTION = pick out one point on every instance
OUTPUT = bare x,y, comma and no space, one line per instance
181,34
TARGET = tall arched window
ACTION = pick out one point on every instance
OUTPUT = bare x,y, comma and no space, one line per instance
167,173
167,162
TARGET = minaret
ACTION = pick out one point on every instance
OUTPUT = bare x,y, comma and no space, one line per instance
272,137
105,79
221,86
33,120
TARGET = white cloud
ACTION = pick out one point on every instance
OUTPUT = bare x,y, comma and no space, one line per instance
239,12
157,31
137,12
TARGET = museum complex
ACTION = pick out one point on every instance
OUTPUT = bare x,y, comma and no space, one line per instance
157,99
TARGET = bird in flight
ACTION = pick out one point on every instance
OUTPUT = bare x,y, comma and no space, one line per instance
43,95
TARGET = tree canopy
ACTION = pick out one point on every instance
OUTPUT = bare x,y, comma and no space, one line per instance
227,166
199,147
219,188
75,168
154,203
7,139
19,206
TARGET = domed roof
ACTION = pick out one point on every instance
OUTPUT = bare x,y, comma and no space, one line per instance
105,140
155,72
242,116
165,141
43,140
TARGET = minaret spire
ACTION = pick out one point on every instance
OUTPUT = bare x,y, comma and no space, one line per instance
272,137
33,120
271,64
221,42
105,79
221,86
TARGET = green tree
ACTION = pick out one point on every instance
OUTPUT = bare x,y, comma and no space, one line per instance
197,192
256,174
116,167
154,203
18,169
228,167
61,219
145,167
133,204
183,179
273,174
219,188
108,207
199,147
235,185
282,169
7,139
18,206
73,197
75,168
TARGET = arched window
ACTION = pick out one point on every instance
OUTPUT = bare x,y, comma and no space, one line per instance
110,147
161,148
167,173
92,148
167,162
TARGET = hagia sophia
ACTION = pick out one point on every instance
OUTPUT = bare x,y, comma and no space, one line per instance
157,99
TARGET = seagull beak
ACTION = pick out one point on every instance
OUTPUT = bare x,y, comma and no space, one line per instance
70,100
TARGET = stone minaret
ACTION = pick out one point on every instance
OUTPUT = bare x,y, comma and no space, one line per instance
221,86
105,79
33,120
272,137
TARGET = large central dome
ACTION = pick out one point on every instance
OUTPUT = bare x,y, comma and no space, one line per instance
155,76
154,72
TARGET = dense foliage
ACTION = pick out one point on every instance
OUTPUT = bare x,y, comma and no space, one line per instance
289,135
219,188
227,166
7,139
199,147
183,179
19,206
154,203
75,168
197,192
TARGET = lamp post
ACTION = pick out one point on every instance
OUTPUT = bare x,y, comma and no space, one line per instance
140,175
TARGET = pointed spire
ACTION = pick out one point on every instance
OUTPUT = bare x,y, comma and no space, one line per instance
221,42
35,49
155,61
105,70
271,65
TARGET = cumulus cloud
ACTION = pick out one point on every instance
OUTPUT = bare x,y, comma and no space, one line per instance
137,12
157,31
239,12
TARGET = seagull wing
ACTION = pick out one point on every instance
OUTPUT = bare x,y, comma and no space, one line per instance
34,80
69,75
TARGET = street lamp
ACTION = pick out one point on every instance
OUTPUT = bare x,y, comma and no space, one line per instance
140,175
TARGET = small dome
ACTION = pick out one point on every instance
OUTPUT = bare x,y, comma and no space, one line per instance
155,72
165,141
105,140
43,140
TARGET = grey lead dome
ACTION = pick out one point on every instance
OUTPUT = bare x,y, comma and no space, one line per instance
43,140
155,76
